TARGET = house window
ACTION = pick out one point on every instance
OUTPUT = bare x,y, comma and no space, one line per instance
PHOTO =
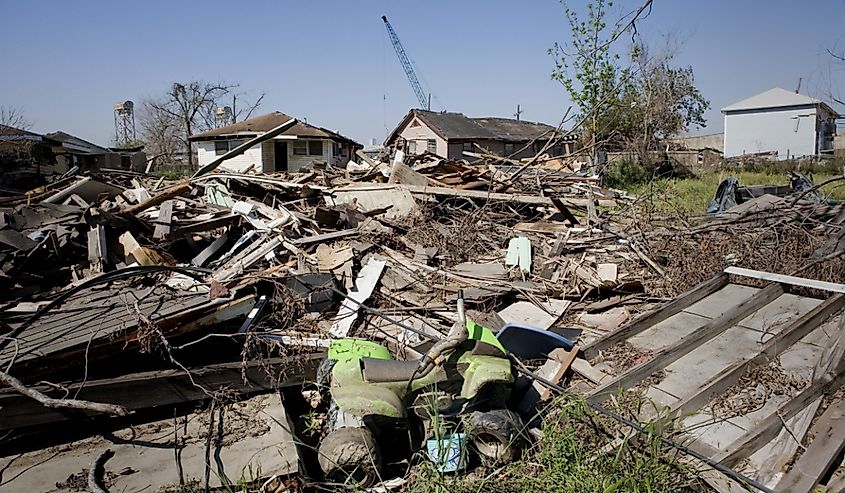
508,148
468,146
221,147
412,146
300,147
431,146
315,147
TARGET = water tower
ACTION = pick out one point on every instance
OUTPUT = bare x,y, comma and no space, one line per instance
124,123
223,116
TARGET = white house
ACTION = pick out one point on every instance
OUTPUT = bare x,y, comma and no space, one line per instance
781,121
297,147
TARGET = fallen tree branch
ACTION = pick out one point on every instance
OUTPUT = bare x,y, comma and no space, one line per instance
97,471
52,403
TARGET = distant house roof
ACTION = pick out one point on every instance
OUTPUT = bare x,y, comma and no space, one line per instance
264,123
73,143
8,133
457,126
776,98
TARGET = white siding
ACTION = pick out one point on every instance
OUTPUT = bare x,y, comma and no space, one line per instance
421,134
238,164
790,131
296,161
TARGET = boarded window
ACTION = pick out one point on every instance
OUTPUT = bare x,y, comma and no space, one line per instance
221,147
431,146
300,147
315,147
508,148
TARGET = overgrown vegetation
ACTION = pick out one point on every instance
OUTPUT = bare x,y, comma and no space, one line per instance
690,196
569,458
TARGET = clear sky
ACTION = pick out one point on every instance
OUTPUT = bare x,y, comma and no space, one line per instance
66,63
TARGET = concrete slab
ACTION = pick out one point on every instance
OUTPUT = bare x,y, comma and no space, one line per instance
668,331
254,445
778,313
685,376
722,300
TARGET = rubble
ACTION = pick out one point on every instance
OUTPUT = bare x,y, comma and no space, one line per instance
125,289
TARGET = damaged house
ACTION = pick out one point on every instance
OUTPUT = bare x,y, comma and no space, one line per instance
74,151
448,135
299,146
779,122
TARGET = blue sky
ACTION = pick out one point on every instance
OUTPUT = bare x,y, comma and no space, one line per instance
67,63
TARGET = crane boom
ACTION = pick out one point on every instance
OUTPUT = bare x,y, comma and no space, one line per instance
406,64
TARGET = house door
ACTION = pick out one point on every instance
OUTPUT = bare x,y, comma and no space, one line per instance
280,152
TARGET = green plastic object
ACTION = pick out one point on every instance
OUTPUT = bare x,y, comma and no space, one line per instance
480,333
349,349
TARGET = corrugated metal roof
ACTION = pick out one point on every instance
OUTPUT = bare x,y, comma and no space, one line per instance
773,98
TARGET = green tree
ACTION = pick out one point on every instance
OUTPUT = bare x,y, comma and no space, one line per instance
590,71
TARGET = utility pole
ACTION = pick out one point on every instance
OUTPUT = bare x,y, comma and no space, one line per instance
518,112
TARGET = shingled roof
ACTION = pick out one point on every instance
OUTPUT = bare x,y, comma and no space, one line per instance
264,123
457,126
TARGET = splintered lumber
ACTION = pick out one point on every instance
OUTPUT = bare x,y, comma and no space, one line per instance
668,355
207,225
365,283
402,173
174,191
829,441
553,370
237,265
506,197
769,427
163,223
780,342
795,281
649,319
97,248
146,390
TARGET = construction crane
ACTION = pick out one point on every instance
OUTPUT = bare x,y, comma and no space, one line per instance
406,64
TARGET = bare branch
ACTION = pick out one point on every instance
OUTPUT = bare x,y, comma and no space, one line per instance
96,472
52,403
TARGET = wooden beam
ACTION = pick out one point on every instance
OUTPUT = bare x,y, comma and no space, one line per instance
668,355
505,197
164,221
771,349
174,191
654,317
766,430
795,281
208,225
158,388
97,253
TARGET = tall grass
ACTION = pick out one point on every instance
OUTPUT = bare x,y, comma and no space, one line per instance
569,458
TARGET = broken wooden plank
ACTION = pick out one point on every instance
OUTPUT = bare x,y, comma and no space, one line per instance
770,426
668,355
829,442
174,191
780,342
164,221
97,248
207,225
334,235
649,319
205,255
506,197
157,388
553,370
365,283
792,280
551,265
402,173
547,227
